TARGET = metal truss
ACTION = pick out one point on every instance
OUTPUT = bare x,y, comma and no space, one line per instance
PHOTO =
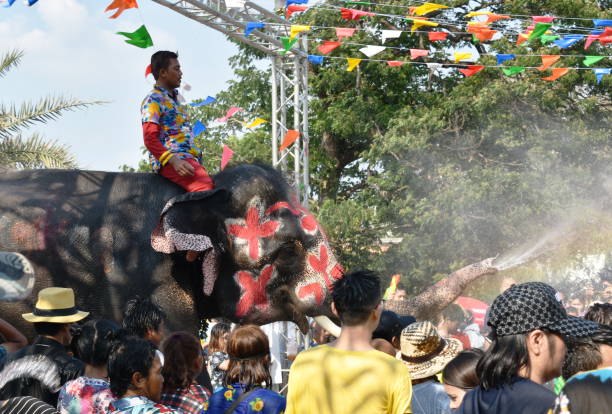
289,73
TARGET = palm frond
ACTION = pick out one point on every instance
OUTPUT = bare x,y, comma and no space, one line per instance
13,119
34,152
9,60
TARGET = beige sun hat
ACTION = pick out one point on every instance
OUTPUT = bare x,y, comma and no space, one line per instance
55,305
424,351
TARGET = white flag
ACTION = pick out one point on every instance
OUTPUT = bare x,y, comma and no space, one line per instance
370,51
390,34
235,4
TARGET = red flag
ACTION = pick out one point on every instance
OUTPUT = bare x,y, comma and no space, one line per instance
290,137
226,156
417,53
543,19
353,14
292,8
121,5
556,74
148,71
395,63
344,32
328,46
434,36
548,61
230,112
495,17
471,70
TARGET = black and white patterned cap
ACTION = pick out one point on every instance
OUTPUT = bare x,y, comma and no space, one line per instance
535,305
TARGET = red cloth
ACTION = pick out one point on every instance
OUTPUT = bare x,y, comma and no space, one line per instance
151,131
199,181
464,338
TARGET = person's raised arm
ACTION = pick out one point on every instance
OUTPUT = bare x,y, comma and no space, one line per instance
14,340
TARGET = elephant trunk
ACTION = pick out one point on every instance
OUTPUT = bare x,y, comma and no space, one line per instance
328,325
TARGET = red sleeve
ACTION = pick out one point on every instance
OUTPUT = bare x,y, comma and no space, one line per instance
151,132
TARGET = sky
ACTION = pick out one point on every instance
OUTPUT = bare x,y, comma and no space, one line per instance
71,49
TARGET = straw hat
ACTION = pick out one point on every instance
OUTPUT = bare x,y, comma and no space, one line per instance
55,305
424,351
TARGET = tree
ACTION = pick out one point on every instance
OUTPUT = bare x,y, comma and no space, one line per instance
17,151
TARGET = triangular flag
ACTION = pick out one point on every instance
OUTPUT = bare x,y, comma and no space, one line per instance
198,128
435,36
354,14
290,2
250,26
140,38
417,53
317,60
548,61
256,122
235,4
601,72
186,87
556,74
568,40
491,18
30,3
539,30
433,67
120,6
293,8
328,46
148,71
395,63
548,38
287,44
290,137
344,32
589,60
371,50
9,3
595,34
484,34
459,56
602,22
416,23
352,63
389,34
471,70
501,58
230,112
522,37
427,8
513,70
296,29
226,156
478,13
208,100
543,19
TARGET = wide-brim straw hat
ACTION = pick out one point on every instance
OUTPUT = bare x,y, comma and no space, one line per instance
424,351
55,305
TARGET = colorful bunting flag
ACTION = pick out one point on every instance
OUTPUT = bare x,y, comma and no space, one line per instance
427,8
235,4
198,128
390,34
328,46
250,26
226,156
9,3
416,23
120,6
140,38
287,44
491,18
344,32
294,8
148,70
256,122
513,70
501,58
30,3
548,61
589,60
207,101
417,53
290,2
556,74
352,63
471,70
230,112
601,72
186,87
568,40
478,13
372,50
392,287
290,137
543,19
459,56
595,34
354,14
395,63
317,60
435,36
296,29
602,22
548,38
539,30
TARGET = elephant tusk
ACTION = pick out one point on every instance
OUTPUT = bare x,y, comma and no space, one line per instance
328,325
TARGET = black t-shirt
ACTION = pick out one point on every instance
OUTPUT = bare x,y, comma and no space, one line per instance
26,405
522,396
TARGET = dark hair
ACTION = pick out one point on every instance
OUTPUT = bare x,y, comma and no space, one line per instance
249,352
181,350
129,356
388,327
48,328
142,315
355,296
461,371
94,340
503,360
454,312
161,60
600,313
216,333
583,354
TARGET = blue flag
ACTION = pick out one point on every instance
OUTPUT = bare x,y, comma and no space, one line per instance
602,22
568,40
296,2
198,128
317,60
206,101
250,26
8,3
601,72
31,2
502,58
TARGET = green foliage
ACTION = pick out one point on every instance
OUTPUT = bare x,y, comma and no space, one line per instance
34,152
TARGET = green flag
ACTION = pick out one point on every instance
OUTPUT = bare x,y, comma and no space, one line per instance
513,70
589,60
548,38
140,37
539,30
287,44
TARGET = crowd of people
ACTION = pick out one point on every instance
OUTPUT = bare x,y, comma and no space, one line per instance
532,358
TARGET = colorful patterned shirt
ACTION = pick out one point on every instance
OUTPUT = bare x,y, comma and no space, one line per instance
261,401
217,375
188,400
85,395
139,405
162,108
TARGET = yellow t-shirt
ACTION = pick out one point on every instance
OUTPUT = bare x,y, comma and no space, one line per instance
326,380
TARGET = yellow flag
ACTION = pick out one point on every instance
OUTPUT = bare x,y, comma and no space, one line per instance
480,13
428,8
462,56
296,29
257,121
416,23
352,63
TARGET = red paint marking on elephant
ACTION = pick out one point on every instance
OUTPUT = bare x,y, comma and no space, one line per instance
307,221
254,291
282,204
320,264
312,289
253,230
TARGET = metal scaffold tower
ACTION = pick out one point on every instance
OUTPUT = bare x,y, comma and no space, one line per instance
289,73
